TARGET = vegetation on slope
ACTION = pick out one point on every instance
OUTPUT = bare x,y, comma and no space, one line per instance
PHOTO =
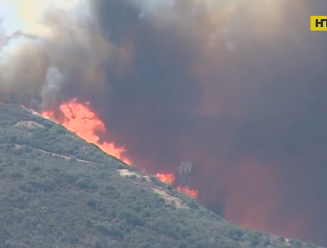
59,191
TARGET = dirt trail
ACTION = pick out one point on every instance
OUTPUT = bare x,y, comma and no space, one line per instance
58,155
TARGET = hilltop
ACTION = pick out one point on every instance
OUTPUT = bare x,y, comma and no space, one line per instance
57,190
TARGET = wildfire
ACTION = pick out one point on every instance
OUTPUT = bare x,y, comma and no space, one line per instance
187,191
85,123
166,178
169,178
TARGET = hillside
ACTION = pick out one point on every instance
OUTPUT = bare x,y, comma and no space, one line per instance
59,191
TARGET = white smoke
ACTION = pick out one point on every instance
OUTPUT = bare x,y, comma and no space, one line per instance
43,43
37,36
53,82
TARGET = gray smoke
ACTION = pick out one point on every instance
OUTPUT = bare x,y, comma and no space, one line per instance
237,87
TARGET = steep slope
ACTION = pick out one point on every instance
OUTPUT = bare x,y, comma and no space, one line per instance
59,191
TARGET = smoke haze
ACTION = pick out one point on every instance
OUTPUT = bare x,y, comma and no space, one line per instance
237,87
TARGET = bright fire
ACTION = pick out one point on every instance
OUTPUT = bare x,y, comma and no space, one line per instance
187,191
166,178
82,121
169,178
85,123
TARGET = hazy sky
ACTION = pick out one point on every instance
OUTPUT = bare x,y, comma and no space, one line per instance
237,87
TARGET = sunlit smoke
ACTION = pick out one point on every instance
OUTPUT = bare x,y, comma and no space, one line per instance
236,86
30,16
45,46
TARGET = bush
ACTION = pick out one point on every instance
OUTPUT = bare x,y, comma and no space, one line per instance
110,231
296,242
131,217
46,184
236,233
92,204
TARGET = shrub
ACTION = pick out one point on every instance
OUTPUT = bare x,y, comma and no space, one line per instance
110,231
131,217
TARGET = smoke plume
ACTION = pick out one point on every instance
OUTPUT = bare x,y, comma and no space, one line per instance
237,87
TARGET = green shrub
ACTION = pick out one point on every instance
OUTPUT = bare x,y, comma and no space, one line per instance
131,217
110,231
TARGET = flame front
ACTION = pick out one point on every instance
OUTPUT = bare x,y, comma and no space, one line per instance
187,191
169,178
85,123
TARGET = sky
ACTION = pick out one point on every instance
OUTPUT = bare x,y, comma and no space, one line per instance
236,87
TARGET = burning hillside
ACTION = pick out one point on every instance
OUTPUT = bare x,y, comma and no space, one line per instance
80,119
55,194
157,82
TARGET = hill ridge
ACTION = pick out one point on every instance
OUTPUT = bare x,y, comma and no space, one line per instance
59,191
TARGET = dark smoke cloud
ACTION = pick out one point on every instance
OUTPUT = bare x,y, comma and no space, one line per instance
244,100
237,87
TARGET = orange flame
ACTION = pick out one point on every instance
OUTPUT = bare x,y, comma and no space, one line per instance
85,123
169,178
166,178
187,191
82,121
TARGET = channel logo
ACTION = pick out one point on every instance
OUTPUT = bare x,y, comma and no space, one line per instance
318,23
